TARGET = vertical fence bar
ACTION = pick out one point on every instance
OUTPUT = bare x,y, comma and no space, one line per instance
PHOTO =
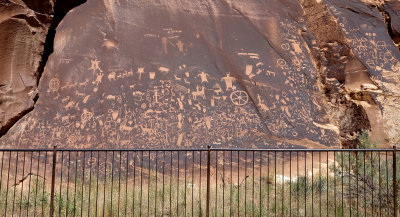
305,183
37,181
290,183
148,184
238,182
365,188
76,180
261,157
208,182
298,187
22,184
379,184
357,180
119,180
163,186
223,184
184,185
170,186
275,209
252,189
395,180
283,183
90,179
126,183
230,194
327,183
83,181
216,182
192,181
245,183
44,180
8,176
334,180
97,182
15,182
372,182
1,172
350,195
155,198
387,183
268,181
177,186
312,183
53,181
200,182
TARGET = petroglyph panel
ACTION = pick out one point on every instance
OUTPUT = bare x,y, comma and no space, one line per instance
140,75
368,38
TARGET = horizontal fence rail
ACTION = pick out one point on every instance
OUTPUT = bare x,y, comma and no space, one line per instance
199,182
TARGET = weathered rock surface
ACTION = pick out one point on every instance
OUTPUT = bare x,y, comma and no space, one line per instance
23,30
232,73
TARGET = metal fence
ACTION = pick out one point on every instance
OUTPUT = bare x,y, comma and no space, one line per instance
199,182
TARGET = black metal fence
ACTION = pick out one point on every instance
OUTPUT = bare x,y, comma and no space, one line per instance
199,182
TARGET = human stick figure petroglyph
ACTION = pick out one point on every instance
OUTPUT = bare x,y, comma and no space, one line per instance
95,65
99,76
203,77
228,81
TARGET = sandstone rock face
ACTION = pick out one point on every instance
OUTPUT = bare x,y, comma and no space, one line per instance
232,73
23,30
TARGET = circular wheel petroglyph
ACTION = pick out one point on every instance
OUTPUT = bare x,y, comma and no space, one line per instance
239,97
86,116
54,84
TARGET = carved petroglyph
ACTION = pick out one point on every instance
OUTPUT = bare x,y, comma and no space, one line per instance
140,71
239,97
198,93
97,81
261,103
203,77
228,82
172,96
54,84
95,65
164,42
111,76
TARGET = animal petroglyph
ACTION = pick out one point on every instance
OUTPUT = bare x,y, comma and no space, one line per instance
111,76
163,69
199,92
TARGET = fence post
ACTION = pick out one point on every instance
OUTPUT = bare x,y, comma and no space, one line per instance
395,180
208,181
53,180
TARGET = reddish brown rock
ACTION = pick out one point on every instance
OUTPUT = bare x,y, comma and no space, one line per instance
277,73
23,30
